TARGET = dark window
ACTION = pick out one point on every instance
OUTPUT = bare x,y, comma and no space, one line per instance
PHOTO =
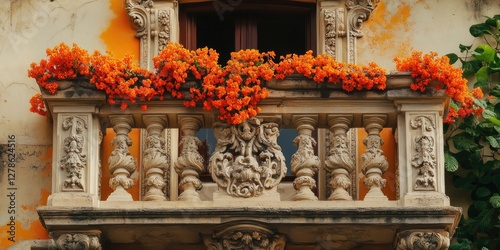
281,26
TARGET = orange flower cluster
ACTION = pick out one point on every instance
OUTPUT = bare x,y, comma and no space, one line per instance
37,105
63,63
235,90
324,68
429,70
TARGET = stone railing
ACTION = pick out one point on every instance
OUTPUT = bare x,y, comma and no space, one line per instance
248,166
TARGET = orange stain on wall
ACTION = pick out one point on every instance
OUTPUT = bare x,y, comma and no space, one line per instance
387,31
119,37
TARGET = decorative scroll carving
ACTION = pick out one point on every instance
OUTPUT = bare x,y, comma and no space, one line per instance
155,159
304,163
74,160
245,236
189,165
247,159
153,27
76,241
373,161
424,158
121,163
423,240
358,12
339,163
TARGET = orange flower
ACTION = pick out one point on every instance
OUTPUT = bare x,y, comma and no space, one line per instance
429,70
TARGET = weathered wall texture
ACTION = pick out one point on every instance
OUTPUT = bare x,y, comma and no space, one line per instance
28,27
398,27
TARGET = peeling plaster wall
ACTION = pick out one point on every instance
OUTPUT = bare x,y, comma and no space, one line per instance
398,27
28,27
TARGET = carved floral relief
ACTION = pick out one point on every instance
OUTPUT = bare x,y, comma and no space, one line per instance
247,160
74,160
423,156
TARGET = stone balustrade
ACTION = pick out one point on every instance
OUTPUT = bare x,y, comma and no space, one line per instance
246,199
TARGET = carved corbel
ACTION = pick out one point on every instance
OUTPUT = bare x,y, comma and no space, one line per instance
358,12
75,240
245,236
153,27
422,240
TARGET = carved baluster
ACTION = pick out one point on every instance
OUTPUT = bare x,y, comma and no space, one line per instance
155,158
189,165
373,161
304,163
121,163
339,163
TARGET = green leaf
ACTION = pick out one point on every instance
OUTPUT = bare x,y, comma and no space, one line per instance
495,200
450,162
453,105
481,205
464,47
462,141
453,58
484,52
480,103
489,114
494,142
479,29
471,67
481,84
482,192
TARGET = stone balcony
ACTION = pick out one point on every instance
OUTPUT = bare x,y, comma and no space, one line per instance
251,202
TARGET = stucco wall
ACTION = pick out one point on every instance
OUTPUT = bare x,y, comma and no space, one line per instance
28,27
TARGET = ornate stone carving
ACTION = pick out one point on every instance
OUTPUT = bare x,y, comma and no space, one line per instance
424,158
339,163
155,159
76,241
189,165
334,29
245,236
163,29
75,160
247,160
422,240
304,163
153,27
121,163
358,12
373,161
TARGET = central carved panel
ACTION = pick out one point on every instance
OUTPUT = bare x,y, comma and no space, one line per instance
247,160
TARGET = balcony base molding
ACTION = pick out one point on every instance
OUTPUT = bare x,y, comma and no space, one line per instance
306,225
73,200
425,199
271,195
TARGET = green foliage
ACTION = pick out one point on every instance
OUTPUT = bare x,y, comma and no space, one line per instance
472,148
